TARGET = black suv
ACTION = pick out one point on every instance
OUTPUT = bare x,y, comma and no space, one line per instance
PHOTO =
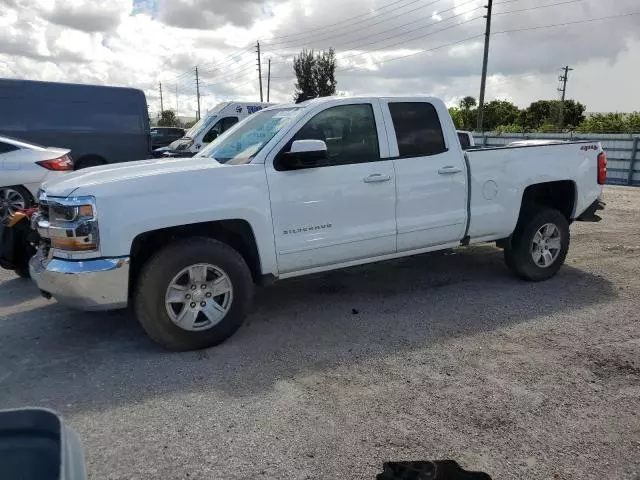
163,136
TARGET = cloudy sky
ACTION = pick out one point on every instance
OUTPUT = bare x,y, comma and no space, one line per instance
383,46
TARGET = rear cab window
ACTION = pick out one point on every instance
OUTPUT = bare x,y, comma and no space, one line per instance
417,128
465,143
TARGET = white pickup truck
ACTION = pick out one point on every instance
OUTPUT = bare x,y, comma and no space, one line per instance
298,189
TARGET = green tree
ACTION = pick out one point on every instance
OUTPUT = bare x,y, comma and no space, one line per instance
499,112
457,116
548,112
611,123
467,106
633,122
573,113
510,128
548,127
538,113
325,73
315,74
168,119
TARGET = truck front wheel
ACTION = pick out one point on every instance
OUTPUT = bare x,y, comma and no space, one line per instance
193,294
539,245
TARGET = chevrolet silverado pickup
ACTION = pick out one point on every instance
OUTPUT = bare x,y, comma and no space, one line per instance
299,189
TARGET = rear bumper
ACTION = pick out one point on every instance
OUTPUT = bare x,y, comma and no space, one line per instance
100,284
589,215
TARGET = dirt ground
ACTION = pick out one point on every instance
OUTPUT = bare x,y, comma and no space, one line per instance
433,357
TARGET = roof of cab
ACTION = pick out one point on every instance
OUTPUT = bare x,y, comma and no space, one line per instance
338,99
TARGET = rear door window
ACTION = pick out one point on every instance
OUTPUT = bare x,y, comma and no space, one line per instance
417,129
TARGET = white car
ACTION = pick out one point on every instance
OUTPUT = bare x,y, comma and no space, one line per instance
23,168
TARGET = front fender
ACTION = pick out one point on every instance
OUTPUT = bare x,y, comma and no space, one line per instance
182,198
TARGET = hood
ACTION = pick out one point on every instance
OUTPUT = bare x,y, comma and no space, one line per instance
181,144
92,177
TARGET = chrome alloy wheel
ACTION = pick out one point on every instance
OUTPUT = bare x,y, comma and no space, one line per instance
546,245
11,200
199,297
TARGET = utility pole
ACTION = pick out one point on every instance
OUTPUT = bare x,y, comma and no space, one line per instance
176,98
161,103
268,80
198,91
259,69
485,59
563,78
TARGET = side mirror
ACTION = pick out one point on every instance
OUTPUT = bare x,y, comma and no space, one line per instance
304,154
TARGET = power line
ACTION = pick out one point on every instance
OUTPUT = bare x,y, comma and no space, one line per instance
397,28
566,23
451,44
538,7
232,76
323,36
347,20
236,71
228,57
473,37
404,42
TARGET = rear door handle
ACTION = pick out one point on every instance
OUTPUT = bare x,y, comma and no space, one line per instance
376,177
446,170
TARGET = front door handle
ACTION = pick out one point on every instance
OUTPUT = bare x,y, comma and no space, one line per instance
376,177
449,169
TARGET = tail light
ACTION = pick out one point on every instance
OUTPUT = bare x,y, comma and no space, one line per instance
602,168
60,164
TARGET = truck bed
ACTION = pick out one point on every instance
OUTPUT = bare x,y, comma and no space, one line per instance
499,176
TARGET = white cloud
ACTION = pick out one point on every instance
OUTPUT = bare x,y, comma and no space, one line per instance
140,42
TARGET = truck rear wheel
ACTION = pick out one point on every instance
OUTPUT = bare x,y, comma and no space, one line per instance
539,245
193,294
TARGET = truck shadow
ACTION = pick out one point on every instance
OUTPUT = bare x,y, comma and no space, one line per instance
77,361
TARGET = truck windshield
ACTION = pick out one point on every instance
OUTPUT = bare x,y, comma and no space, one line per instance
200,126
244,140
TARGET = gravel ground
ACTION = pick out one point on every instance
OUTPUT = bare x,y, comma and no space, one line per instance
440,356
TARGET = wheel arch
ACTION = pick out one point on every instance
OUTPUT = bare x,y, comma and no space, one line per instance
560,195
237,233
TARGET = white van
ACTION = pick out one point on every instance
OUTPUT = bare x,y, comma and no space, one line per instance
218,119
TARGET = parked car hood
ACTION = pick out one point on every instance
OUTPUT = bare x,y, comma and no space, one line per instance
89,178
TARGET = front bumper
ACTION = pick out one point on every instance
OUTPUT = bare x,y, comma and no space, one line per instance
100,284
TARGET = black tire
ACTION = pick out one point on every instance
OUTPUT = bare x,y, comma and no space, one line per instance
89,162
517,254
23,192
156,275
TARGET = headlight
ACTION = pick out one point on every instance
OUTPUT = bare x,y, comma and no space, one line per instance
71,225
68,213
